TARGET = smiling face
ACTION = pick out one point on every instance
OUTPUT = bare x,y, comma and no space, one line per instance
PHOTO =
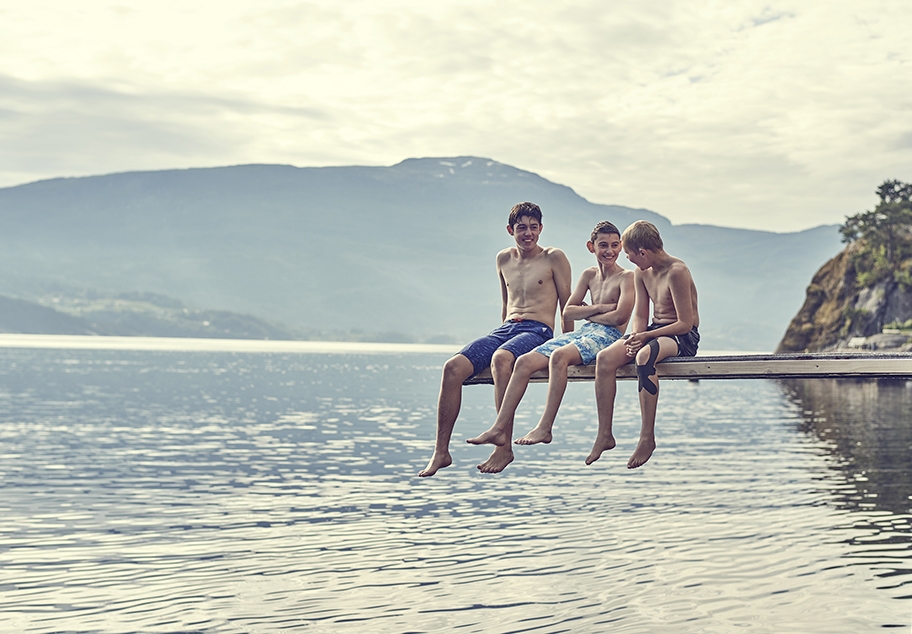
525,232
607,247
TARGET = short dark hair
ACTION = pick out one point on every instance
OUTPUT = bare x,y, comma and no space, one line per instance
642,235
603,227
525,209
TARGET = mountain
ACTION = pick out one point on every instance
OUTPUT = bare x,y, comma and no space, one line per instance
406,250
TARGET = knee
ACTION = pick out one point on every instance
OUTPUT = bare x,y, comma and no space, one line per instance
648,354
524,365
642,355
604,361
457,370
558,361
502,362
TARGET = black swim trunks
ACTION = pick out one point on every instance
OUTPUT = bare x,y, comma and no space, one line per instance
687,343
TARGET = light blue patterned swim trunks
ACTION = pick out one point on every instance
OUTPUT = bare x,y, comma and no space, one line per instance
591,339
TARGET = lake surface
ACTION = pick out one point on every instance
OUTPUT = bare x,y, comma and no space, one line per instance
216,491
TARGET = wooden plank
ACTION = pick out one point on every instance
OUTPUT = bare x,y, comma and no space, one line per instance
872,365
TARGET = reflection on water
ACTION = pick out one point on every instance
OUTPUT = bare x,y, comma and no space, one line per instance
235,492
867,427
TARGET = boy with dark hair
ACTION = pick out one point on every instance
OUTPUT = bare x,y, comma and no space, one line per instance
611,292
535,285
665,281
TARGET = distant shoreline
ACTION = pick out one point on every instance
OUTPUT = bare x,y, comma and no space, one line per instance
188,344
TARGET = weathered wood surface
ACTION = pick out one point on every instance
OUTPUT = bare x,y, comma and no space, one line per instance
872,365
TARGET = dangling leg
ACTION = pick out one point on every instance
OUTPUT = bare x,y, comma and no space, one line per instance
557,384
648,382
500,432
606,366
455,371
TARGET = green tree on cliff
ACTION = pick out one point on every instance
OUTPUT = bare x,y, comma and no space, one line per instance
884,236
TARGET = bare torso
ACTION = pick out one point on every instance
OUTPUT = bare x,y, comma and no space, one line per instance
532,285
605,288
659,284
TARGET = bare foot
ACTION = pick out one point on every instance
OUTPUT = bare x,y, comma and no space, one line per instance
601,444
437,461
537,435
642,453
493,436
497,461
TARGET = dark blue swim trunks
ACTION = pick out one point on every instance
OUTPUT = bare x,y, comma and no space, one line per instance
518,337
687,343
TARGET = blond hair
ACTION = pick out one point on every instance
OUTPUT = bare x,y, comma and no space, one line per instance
642,235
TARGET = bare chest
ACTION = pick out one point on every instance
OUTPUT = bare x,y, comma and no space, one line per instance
525,278
607,291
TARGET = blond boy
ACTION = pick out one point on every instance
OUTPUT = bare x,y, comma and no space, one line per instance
666,282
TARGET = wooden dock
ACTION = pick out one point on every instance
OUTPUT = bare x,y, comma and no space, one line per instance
821,365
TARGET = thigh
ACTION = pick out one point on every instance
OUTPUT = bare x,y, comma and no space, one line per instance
595,339
614,355
569,354
551,345
668,347
532,361
688,343
523,343
481,351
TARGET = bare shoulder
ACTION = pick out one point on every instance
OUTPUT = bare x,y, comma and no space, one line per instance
589,273
553,253
556,259
679,269
625,274
504,256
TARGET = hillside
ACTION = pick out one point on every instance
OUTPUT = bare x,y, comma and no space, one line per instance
406,251
838,310
863,296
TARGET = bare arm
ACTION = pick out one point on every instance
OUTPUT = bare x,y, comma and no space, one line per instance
562,281
640,317
576,308
617,316
640,320
503,292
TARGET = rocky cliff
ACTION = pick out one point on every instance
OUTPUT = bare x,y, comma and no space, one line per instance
839,313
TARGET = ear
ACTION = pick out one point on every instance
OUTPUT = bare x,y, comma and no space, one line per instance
510,229
590,246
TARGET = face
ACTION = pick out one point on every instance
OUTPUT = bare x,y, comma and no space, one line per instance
607,247
639,257
525,232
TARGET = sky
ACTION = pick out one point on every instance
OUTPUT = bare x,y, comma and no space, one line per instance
757,114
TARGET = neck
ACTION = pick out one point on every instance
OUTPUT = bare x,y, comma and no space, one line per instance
525,254
662,261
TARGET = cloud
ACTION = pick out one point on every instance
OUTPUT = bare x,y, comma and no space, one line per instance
70,128
745,114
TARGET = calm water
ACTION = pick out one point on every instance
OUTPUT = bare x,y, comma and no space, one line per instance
268,492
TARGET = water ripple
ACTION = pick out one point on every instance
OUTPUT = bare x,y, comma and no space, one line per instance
227,492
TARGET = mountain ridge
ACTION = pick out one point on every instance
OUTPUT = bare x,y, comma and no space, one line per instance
407,248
